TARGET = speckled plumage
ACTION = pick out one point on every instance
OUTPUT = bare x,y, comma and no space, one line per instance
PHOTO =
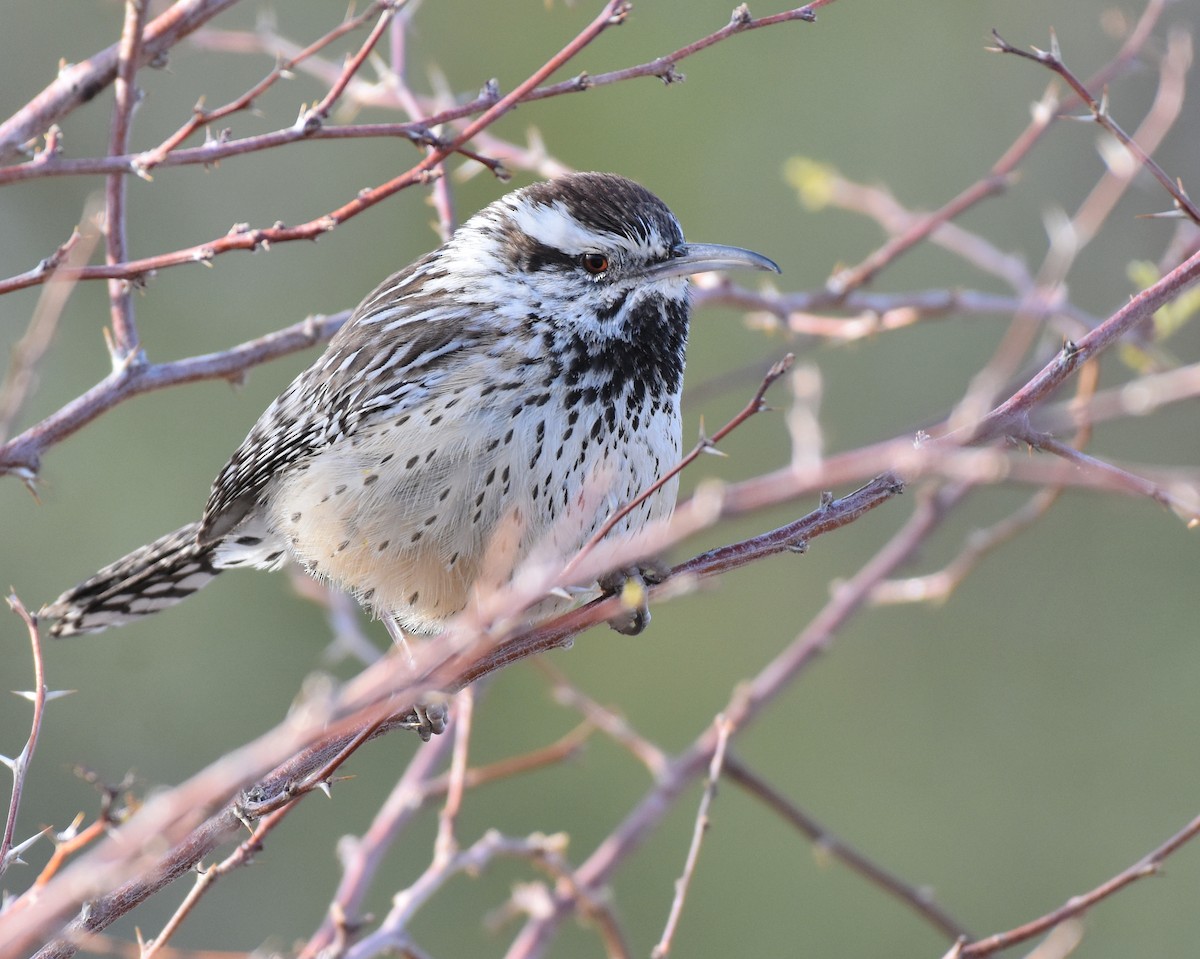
499,396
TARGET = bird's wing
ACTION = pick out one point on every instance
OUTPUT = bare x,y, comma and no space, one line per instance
381,363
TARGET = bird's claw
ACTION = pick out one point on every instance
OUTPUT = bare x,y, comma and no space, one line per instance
631,585
428,719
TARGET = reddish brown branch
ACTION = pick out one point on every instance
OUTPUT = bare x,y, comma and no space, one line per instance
200,118
1139,309
371,705
245,238
746,703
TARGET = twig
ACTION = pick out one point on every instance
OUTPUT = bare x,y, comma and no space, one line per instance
320,112
27,353
243,855
252,239
19,765
242,237
80,82
362,857
614,726
937,587
1052,60
22,454
145,162
1139,309
124,345
446,843
744,705
392,933
873,313
371,704
998,176
706,444
723,730
1148,865
918,899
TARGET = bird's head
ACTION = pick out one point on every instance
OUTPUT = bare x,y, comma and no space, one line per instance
593,250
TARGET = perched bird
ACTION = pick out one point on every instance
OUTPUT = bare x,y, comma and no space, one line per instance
503,394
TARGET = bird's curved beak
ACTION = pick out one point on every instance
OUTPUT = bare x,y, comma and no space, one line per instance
689,258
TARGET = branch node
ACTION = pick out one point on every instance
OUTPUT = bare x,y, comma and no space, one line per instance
308,121
668,74
619,13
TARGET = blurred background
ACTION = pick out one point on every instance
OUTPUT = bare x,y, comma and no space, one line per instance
1013,746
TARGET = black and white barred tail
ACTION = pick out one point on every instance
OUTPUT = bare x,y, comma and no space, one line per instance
149,579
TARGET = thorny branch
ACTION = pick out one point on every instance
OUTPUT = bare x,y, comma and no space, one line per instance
309,126
1052,60
19,765
377,701
263,782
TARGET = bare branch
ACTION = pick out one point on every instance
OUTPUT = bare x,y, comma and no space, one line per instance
1148,865
19,765
715,766
827,844
1052,60
80,82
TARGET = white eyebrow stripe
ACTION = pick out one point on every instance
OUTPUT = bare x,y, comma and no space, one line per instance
556,228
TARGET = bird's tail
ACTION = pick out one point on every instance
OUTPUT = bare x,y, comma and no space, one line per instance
154,577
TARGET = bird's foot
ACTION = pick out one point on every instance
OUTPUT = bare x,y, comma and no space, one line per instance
428,718
632,584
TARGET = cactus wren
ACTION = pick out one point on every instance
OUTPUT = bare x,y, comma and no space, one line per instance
503,394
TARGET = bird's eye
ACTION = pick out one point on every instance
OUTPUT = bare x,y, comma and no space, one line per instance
594,263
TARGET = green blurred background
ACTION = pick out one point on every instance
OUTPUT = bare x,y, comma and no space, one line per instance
1019,744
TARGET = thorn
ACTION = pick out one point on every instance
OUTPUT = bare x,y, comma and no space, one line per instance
1002,45
244,818
9,762
28,478
1175,214
323,785
71,831
16,850
1055,50
1042,111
